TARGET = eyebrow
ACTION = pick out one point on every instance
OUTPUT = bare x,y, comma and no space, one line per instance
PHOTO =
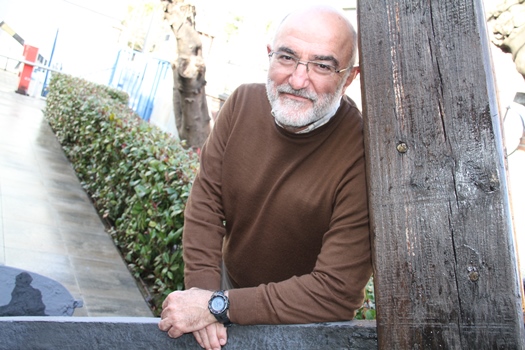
329,58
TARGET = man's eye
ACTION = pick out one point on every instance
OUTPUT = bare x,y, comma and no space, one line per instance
285,58
322,67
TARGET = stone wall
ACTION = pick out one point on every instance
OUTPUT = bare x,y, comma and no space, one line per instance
142,333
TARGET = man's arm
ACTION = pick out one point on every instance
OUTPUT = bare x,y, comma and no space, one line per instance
204,215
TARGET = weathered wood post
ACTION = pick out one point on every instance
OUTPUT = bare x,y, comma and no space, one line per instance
445,266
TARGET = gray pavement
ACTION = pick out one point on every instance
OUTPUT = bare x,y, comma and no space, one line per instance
48,224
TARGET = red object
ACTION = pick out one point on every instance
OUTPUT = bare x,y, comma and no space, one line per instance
30,54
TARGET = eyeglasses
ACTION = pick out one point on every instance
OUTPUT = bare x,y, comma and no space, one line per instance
285,61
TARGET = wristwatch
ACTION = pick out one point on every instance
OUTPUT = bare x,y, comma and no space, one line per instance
218,306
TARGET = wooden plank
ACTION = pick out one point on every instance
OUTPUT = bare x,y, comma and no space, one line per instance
445,264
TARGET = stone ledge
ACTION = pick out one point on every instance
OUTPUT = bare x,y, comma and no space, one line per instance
131,333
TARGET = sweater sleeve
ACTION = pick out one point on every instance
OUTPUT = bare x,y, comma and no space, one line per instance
334,290
204,216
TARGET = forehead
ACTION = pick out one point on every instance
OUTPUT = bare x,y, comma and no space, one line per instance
314,36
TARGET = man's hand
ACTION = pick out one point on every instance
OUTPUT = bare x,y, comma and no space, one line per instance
186,312
212,337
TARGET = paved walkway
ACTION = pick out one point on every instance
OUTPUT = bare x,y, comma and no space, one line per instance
47,223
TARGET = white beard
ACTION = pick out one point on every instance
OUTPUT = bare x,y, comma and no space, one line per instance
287,111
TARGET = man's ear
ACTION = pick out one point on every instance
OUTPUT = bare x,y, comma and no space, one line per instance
353,74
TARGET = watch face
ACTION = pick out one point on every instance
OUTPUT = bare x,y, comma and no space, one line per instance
218,303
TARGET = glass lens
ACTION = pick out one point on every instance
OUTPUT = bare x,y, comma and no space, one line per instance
217,303
321,69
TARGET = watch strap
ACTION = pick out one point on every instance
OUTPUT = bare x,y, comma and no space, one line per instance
223,318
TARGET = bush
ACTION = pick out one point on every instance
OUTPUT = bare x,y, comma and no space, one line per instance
368,310
138,177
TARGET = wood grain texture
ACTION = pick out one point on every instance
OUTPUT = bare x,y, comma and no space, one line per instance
445,265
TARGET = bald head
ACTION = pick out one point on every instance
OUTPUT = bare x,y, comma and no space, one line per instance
322,26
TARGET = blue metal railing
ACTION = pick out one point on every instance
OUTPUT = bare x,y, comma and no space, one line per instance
139,75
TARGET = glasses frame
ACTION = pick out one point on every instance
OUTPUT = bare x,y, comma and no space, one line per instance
305,63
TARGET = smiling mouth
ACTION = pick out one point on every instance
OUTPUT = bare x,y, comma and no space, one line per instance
295,97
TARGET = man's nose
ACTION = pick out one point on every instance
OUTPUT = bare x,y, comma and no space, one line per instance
299,78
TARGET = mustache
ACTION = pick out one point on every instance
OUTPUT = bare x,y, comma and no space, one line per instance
287,89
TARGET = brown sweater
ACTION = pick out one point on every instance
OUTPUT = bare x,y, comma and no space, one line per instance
292,210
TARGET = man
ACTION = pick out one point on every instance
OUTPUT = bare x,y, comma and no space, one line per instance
280,199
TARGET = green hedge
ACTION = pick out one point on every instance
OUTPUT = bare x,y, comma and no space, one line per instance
138,177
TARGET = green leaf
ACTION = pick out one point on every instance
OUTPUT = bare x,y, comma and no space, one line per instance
370,314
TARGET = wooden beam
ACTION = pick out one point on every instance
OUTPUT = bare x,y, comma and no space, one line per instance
446,275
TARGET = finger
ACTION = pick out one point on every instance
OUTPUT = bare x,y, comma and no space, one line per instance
163,314
164,325
211,332
198,338
173,333
204,339
222,334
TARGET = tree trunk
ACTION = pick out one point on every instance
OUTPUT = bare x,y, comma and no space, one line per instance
445,265
507,25
189,96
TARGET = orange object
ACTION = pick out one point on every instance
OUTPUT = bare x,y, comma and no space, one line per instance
30,55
